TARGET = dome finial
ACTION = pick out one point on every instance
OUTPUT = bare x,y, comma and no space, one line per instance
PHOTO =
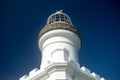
60,11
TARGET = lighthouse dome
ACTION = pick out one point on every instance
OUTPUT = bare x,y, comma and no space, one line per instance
59,16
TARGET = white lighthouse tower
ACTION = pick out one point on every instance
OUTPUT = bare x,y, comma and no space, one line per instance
59,42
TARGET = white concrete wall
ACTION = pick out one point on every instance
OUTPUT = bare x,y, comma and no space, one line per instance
59,45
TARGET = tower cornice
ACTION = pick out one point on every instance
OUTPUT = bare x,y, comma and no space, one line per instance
58,25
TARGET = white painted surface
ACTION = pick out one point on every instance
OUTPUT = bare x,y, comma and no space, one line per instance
59,58
53,43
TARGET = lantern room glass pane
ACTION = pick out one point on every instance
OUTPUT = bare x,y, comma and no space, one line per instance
59,17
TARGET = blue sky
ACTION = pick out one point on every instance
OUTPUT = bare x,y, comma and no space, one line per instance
97,20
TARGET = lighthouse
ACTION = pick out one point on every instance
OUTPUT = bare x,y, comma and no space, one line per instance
59,42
